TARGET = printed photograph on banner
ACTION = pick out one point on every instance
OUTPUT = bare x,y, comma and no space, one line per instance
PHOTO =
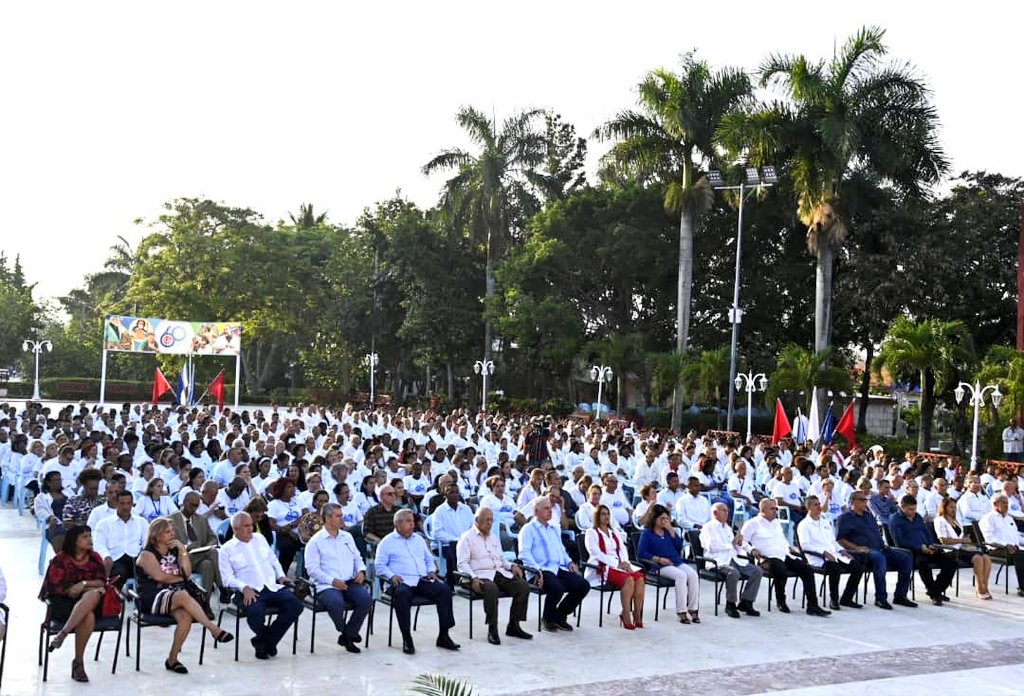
151,335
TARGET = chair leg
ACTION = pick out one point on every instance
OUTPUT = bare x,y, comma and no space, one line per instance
391,623
138,644
471,617
117,648
369,628
128,640
238,628
312,634
202,646
46,656
99,642
295,637
657,601
416,619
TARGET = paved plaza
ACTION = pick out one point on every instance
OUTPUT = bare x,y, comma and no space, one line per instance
968,647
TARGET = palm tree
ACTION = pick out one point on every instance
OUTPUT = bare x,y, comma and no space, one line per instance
1004,366
853,115
306,219
798,370
494,189
934,350
705,374
440,685
668,141
109,287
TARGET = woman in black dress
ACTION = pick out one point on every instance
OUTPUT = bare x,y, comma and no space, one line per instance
162,570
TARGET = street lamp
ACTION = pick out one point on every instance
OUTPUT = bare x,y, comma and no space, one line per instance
753,178
600,374
36,347
484,367
371,360
751,382
977,393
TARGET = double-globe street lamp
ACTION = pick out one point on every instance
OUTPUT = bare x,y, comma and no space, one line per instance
600,374
750,382
36,347
977,393
371,360
485,368
754,178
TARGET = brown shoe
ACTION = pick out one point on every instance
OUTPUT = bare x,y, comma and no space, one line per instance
78,671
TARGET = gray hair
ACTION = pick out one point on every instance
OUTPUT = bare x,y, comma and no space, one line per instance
238,518
719,506
765,504
400,515
480,511
329,508
999,498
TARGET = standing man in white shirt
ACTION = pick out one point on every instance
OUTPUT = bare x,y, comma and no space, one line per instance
336,567
818,542
120,538
248,565
1013,441
480,557
721,545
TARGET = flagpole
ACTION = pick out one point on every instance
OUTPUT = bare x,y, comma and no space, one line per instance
238,374
103,380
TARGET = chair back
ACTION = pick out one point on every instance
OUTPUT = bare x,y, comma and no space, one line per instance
696,549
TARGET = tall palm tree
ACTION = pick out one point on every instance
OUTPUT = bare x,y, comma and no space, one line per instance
668,141
494,188
854,114
934,350
306,219
798,370
706,373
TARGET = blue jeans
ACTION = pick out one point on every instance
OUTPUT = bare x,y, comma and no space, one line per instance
881,561
333,600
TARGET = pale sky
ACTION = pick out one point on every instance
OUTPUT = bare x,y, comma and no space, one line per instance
111,108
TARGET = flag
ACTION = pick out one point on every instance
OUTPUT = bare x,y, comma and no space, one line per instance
801,427
828,426
181,393
781,428
846,426
217,388
813,427
160,385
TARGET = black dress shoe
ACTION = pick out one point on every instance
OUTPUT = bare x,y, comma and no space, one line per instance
514,631
833,605
492,635
882,604
783,607
551,626
945,598
347,643
564,625
851,604
936,600
748,608
905,602
261,650
446,643
818,611
408,647
731,610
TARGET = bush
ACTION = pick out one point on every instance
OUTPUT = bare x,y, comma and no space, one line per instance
557,408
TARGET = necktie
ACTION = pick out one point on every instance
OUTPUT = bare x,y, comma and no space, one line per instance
190,530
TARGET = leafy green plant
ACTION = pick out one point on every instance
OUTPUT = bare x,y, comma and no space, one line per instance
439,685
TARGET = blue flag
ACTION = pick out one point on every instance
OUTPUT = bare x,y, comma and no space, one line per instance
180,392
828,426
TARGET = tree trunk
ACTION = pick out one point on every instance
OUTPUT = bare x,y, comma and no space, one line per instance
684,292
488,294
924,433
865,389
451,381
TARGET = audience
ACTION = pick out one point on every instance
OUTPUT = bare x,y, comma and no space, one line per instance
540,547
120,538
818,542
200,541
910,532
1001,535
859,534
609,564
949,532
661,545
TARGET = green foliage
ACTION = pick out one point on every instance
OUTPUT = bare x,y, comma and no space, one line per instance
798,372
440,685
20,316
704,376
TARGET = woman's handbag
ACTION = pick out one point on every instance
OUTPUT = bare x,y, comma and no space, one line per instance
111,606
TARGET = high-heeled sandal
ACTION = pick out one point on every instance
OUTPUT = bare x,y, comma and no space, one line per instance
683,618
56,642
625,623
223,637
694,618
78,671
177,667
638,620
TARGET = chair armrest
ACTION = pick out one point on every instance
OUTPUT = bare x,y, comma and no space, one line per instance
131,594
816,554
710,561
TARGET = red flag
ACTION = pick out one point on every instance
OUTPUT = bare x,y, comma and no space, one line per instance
217,388
846,427
160,385
781,428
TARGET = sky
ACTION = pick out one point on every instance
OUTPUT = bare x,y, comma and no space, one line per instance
110,109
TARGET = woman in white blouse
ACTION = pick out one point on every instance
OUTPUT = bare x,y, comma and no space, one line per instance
154,503
950,533
500,503
609,563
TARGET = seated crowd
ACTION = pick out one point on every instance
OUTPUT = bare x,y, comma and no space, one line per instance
267,510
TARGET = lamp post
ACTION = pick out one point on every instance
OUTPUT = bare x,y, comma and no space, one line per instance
977,394
371,360
754,178
600,374
751,382
36,347
485,368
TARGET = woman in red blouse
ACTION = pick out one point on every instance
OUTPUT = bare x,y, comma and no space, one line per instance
74,587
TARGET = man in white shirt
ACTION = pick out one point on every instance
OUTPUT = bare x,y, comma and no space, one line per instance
931,500
1013,441
452,519
693,510
120,538
818,542
999,530
973,505
741,488
336,568
772,550
249,566
480,557
722,546
672,493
